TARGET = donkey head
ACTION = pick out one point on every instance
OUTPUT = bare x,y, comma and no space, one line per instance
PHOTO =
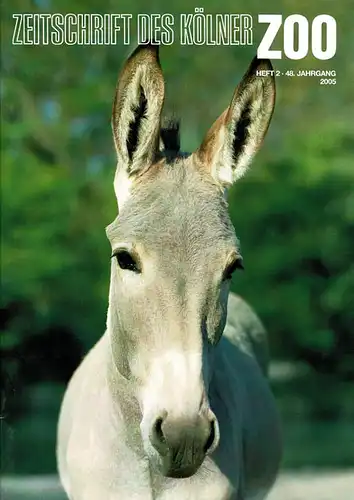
174,251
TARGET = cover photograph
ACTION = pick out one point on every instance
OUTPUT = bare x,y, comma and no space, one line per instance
177,263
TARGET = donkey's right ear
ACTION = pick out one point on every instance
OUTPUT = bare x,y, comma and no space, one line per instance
137,111
238,133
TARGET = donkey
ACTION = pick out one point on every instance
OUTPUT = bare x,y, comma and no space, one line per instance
173,402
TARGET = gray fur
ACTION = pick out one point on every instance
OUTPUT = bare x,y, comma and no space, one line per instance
173,402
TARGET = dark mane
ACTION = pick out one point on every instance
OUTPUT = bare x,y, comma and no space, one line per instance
170,136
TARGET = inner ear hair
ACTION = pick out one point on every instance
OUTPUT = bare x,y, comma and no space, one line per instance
139,114
241,131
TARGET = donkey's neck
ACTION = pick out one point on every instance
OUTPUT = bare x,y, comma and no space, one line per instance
124,402
119,386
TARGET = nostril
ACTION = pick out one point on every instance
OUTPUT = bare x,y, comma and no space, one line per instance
211,437
157,437
158,430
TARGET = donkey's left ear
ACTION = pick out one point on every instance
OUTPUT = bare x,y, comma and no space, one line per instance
136,117
237,134
137,109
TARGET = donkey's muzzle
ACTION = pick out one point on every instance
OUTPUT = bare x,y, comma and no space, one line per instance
183,444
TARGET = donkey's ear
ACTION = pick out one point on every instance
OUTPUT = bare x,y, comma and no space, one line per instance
137,111
237,134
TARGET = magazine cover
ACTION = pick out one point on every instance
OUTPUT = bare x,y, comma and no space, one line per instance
177,240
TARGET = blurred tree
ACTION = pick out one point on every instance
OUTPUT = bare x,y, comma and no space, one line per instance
297,227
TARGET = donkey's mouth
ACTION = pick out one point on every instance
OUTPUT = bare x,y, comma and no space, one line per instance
182,472
181,465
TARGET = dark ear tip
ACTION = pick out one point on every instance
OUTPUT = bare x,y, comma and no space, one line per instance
150,46
260,64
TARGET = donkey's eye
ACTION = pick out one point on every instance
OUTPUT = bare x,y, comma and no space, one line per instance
127,261
236,264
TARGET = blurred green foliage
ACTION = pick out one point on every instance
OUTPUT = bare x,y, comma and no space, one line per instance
294,212
296,221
